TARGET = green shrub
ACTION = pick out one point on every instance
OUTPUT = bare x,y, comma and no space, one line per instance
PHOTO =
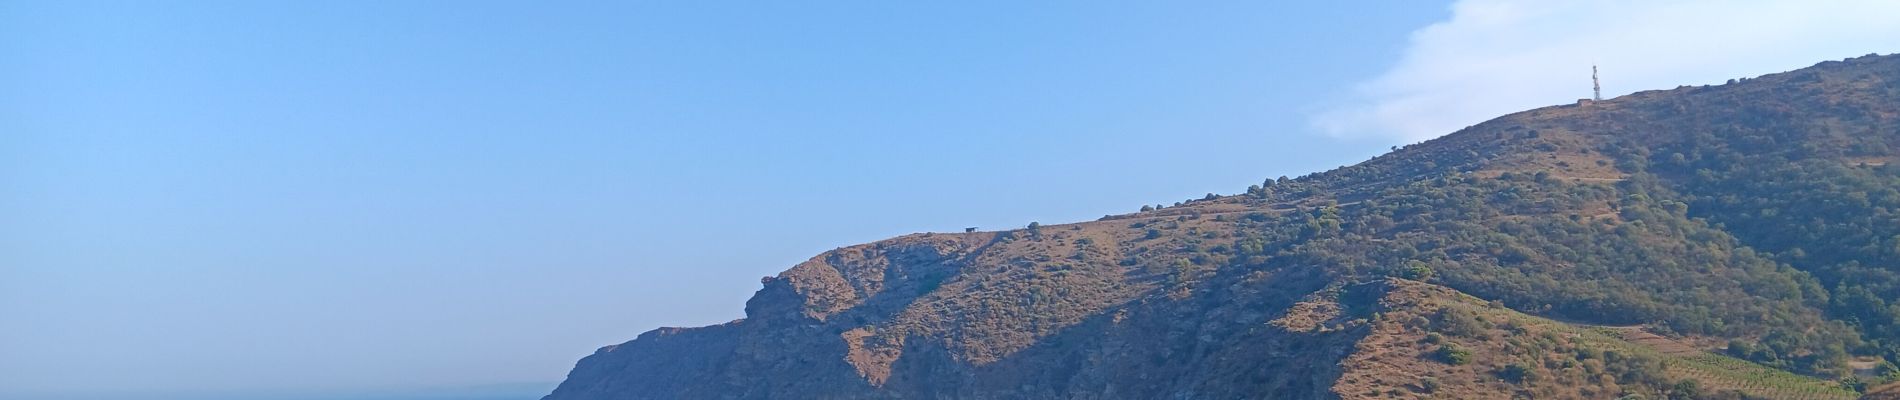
1452,354
1457,322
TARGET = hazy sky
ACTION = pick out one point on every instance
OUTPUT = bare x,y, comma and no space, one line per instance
248,197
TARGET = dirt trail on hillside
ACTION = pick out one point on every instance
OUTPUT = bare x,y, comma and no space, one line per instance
1638,335
1662,344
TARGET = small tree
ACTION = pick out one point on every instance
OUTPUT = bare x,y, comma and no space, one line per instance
1686,390
1517,373
1416,270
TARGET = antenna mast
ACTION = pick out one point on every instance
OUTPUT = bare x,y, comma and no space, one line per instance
1595,86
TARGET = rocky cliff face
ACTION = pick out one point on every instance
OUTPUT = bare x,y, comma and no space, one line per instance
1340,284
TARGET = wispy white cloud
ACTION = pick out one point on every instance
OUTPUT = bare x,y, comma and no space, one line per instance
1494,57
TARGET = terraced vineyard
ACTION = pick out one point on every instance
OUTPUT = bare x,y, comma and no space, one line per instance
1714,372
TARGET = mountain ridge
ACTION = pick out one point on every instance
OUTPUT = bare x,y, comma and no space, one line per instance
1614,212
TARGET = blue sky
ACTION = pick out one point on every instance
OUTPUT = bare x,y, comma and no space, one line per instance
245,198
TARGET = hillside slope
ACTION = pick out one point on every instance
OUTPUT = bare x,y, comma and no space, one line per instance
1755,218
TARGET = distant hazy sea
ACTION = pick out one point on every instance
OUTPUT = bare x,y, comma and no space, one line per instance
523,391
